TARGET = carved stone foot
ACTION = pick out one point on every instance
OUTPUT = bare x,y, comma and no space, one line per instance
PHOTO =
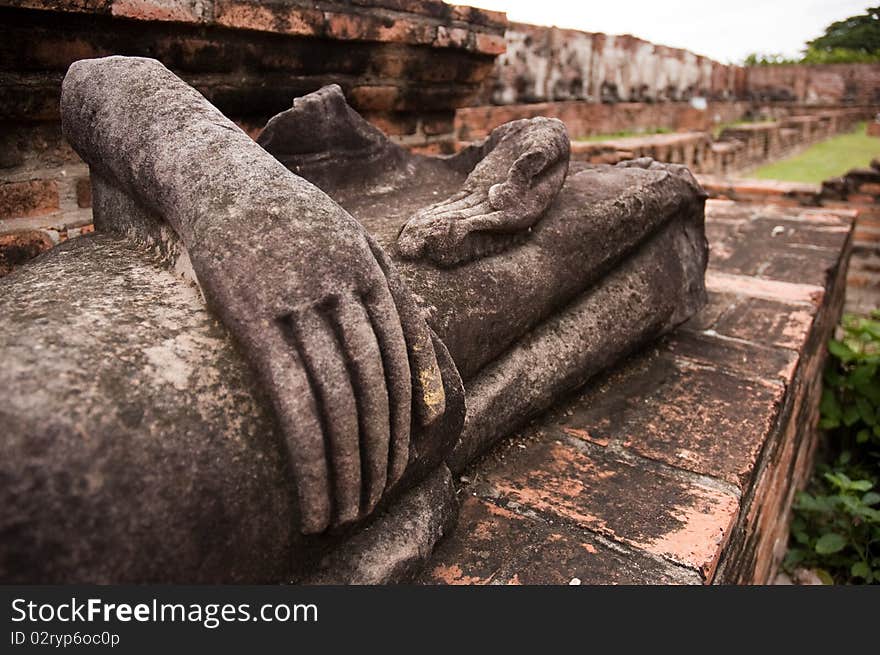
524,167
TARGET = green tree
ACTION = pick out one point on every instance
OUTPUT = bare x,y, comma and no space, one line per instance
857,33
767,59
853,40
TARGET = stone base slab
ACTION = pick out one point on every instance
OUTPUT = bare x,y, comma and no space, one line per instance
679,466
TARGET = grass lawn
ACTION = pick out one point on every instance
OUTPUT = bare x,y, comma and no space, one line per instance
827,159
718,129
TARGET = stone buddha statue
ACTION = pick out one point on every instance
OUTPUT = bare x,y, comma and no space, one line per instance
271,355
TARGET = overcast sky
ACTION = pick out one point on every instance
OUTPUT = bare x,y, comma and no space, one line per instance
726,31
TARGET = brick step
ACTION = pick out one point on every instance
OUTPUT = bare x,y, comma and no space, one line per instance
681,464
23,238
28,193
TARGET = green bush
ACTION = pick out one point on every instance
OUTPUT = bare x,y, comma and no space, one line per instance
813,56
836,525
839,56
852,40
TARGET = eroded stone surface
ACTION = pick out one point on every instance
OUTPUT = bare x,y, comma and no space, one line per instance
165,378
683,414
648,508
358,400
395,545
690,453
504,547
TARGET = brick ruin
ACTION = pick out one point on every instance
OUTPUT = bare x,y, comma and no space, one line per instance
435,76
832,84
432,75
549,64
405,64
601,84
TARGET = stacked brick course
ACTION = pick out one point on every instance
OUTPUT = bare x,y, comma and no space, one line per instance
601,84
588,119
405,64
738,147
857,192
835,84
681,465
693,149
544,64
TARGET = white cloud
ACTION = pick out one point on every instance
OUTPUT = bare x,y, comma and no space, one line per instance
726,31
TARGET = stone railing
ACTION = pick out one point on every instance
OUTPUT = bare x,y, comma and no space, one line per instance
738,147
693,149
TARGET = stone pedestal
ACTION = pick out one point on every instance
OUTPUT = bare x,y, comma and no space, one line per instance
681,464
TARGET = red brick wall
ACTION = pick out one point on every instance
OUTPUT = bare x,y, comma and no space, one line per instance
856,193
544,64
816,84
586,119
547,63
405,64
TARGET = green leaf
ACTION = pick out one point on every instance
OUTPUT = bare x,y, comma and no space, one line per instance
862,374
851,415
793,557
865,410
840,350
863,436
839,479
861,485
824,576
860,570
872,328
833,378
830,543
830,406
870,390
871,498
851,504
871,515
806,502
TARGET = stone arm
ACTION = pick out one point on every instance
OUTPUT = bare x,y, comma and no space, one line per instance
338,343
514,176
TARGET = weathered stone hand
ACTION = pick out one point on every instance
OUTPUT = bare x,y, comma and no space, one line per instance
522,170
334,336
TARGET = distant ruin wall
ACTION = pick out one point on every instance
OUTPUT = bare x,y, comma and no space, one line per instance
547,64
544,64
832,84
584,119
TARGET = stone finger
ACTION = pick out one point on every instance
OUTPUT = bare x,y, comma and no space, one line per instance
328,373
365,365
